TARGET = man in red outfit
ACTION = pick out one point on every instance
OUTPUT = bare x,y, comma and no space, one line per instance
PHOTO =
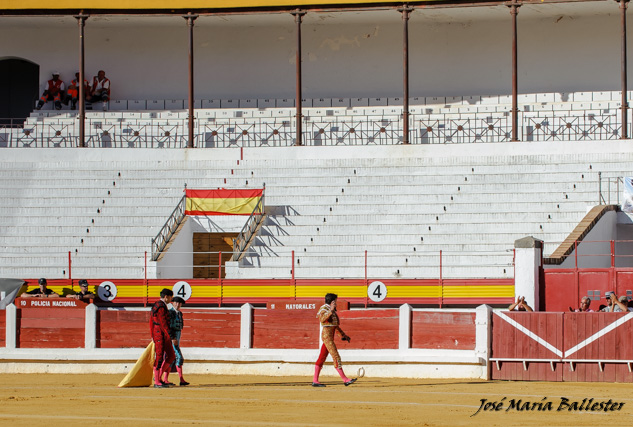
159,326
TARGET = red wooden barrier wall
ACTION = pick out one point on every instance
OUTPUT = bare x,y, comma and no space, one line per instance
370,329
583,337
285,329
51,327
203,328
122,329
565,287
451,330
509,341
211,328
616,344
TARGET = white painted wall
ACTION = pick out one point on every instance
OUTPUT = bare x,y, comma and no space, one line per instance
594,251
353,54
177,263
178,260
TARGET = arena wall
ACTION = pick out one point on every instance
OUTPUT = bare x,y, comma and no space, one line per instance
562,346
388,342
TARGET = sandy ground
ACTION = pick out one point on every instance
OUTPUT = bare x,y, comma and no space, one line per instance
39,399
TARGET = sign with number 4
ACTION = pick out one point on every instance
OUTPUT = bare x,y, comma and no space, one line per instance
182,289
377,291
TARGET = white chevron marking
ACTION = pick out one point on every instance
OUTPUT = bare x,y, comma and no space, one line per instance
530,334
600,333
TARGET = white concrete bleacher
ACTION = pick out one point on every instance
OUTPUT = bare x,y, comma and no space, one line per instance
573,100
328,120
404,213
401,204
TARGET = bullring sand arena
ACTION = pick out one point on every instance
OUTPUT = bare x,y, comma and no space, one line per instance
56,399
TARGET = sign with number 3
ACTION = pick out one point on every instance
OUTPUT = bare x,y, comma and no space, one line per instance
107,291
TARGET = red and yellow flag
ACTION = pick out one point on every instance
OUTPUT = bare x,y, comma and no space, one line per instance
222,201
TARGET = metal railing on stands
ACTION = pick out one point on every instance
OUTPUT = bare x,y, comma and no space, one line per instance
319,130
595,254
169,229
249,230
607,186
286,263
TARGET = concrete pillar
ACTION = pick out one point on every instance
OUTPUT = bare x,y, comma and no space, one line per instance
246,327
231,269
483,336
90,337
527,265
404,327
11,340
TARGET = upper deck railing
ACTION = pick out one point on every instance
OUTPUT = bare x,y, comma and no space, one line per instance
318,130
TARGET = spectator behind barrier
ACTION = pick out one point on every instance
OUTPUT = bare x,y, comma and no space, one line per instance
584,306
520,305
616,304
84,294
41,292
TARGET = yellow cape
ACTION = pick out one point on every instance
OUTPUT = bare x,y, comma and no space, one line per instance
142,373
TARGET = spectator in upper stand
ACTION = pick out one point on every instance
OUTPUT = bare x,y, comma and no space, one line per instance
54,92
73,92
520,305
615,304
584,306
100,90
84,294
41,292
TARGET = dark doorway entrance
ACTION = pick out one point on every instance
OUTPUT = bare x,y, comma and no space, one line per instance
19,87
206,257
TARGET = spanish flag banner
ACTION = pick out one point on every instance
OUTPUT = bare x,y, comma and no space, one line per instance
222,201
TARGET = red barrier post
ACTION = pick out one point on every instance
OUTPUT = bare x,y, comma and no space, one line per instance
220,278
612,273
146,284
70,271
220,265
366,283
576,273
441,282
612,253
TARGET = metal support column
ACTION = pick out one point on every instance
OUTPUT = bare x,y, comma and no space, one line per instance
624,103
190,20
298,14
81,22
514,11
405,10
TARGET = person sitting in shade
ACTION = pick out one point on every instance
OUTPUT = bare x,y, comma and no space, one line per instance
72,95
520,305
100,90
616,304
41,292
84,294
54,92
584,306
